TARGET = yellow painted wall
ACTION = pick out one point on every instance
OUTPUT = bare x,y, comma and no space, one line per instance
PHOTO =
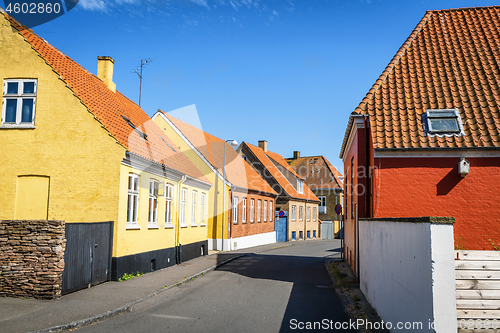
80,159
143,238
215,193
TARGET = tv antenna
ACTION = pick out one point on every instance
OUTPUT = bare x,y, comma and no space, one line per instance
138,71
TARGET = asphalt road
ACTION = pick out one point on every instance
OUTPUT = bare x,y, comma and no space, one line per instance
276,291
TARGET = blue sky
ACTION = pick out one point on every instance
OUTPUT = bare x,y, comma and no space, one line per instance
289,72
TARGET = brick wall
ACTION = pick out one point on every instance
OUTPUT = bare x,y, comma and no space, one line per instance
31,258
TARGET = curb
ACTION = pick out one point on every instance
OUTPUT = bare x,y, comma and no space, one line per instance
126,307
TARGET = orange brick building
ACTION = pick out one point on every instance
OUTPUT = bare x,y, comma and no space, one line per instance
425,141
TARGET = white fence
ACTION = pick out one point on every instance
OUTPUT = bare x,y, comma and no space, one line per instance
407,272
477,290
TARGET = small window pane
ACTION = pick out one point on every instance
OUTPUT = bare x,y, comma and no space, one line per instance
27,112
12,87
444,125
10,111
29,88
442,114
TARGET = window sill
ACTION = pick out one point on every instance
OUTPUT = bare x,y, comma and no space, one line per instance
133,227
15,126
203,225
194,225
184,225
153,226
169,226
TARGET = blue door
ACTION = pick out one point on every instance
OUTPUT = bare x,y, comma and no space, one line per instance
281,227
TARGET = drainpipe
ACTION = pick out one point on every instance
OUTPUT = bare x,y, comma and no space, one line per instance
178,226
230,226
305,220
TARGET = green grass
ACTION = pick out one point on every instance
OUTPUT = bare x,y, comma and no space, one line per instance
127,276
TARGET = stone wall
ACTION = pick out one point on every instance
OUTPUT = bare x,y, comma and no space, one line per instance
31,258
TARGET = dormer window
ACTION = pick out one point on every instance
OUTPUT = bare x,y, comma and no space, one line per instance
300,186
444,122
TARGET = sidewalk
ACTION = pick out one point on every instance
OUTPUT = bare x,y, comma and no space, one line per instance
107,299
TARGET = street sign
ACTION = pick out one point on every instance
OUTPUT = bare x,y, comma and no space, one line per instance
281,213
338,209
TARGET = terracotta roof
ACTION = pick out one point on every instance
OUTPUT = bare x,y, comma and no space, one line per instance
266,158
304,165
110,108
238,172
450,60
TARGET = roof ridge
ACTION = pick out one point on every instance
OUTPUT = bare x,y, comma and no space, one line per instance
461,8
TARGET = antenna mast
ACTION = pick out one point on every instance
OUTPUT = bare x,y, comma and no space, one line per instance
138,71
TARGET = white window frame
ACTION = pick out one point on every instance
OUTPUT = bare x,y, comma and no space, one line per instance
235,210
203,209
252,210
300,186
265,210
314,214
133,200
301,213
244,211
259,211
444,114
271,211
19,97
183,207
294,212
169,191
308,214
153,204
194,203
322,200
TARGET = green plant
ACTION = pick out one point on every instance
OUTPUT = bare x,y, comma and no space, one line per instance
459,243
495,247
127,276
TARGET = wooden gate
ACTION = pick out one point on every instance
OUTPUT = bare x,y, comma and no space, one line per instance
477,276
87,258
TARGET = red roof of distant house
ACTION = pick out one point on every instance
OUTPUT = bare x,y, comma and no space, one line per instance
450,60
305,164
238,172
267,158
110,108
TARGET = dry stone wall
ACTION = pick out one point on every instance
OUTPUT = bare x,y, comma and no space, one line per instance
31,258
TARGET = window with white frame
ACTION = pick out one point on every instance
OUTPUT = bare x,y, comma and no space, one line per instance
258,209
133,199
183,206
235,210
153,202
300,186
194,201
244,211
252,210
169,191
301,213
308,215
265,210
19,100
203,211
271,212
314,214
445,122
294,212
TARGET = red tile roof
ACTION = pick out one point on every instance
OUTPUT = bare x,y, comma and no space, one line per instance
450,60
322,180
238,172
267,158
110,107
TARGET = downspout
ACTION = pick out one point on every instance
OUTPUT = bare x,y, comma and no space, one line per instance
178,227
305,220
231,221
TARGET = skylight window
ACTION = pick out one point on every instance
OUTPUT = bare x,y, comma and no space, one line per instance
444,122
142,134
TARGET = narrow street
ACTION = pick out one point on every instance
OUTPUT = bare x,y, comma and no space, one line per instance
274,291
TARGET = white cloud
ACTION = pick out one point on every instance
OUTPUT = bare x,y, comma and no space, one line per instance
202,3
129,2
97,5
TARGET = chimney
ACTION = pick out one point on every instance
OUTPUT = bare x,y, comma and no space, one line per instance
296,154
105,71
263,145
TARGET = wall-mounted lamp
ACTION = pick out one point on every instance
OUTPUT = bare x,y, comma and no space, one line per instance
463,167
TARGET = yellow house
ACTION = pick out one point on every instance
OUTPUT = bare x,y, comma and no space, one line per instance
245,199
76,149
